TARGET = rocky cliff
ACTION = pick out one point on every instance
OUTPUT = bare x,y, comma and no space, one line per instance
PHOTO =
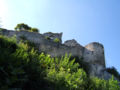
92,53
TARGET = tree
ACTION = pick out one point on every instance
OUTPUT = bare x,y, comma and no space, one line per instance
34,30
22,26
113,71
25,27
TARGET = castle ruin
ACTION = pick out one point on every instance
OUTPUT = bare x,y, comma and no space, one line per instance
92,53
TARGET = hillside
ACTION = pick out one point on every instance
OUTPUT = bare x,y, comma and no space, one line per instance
25,66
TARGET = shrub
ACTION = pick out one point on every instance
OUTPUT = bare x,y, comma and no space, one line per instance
113,71
48,38
114,84
82,64
34,30
9,71
20,69
99,84
56,40
63,73
27,42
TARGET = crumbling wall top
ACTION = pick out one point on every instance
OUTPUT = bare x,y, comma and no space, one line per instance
52,36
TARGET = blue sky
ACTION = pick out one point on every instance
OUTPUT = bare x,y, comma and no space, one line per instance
84,20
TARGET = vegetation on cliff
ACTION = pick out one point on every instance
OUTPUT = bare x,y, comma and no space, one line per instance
113,71
22,26
22,67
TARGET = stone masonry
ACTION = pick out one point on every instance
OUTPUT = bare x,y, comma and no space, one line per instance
92,53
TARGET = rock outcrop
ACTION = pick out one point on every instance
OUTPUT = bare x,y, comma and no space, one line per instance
92,53
51,36
72,43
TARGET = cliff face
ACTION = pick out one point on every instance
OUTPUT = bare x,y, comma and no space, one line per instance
92,53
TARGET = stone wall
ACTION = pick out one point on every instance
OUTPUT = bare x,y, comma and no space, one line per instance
52,36
92,53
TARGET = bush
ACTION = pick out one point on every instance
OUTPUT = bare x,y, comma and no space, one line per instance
34,30
9,71
113,71
21,67
114,84
82,64
64,74
56,40
27,42
48,38
101,84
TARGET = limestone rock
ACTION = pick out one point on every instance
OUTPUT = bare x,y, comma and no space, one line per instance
72,43
52,36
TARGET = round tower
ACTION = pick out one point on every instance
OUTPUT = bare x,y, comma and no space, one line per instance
94,52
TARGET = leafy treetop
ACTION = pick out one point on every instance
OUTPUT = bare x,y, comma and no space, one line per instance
34,30
22,26
25,27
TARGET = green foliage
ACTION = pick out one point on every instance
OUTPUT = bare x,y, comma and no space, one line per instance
21,66
114,84
82,64
48,38
27,42
113,71
63,73
9,71
101,84
25,27
56,40
34,30
22,26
